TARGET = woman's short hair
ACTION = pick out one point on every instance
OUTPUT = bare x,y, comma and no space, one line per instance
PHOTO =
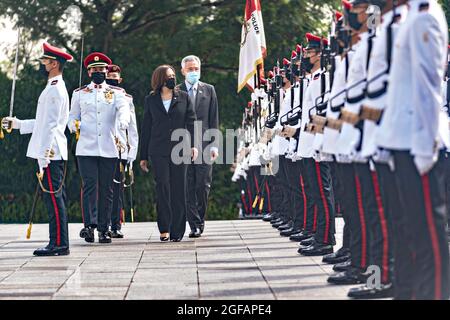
159,77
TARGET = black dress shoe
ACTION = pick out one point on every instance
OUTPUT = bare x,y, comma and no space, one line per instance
307,242
364,292
318,249
267,217
276,220
116,234
288,232
103,237
342,255
279,224
195,233
297,237
88,234
351,276
49,251
202,228
343,266
175,239
286,226
164,239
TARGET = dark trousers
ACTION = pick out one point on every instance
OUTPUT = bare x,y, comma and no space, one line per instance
422,200
447,186
400,235
255,179
354,216
199,178
376,215
118,190
97,176
346,196
55,203
296,193
319,178
283,184
170,181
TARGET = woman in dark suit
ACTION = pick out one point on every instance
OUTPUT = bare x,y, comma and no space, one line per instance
166,110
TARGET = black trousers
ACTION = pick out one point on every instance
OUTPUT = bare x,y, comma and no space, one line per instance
283,185
55,203
400,235
199,178
294,169
376,215
254,179
97,176
354,216
447,186
170,181
118,201
321,188
422,201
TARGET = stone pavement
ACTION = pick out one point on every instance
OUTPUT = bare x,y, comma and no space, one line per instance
244,259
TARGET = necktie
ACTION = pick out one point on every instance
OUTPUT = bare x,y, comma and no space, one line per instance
191,93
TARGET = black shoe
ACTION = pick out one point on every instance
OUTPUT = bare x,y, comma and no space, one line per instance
279,224
308,242
52,251
342,255
297,237
276,220
164,239
88,234
175,239
269,216
286,226
288,232
103,237
351,276
364,292
116,234
195,233
343,266
318,249
202,228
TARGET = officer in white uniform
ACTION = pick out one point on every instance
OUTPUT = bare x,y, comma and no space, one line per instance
410,129
48,145
318,174
129,141
99,111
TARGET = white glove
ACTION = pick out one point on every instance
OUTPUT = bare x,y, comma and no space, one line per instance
16,123
123,126
425,164
43,163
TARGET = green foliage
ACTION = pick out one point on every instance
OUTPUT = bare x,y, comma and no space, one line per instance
140,35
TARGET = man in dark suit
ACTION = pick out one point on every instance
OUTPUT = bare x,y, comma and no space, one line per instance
199,175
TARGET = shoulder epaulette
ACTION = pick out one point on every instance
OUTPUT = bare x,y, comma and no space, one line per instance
81,88
128,95
116,88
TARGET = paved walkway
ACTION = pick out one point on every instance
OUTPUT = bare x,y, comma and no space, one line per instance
245,259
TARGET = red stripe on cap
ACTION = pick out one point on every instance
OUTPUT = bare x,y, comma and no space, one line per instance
299,49
56,51
338,15
384,229
293,54
347,5
362,223
433,236
286,62
55,206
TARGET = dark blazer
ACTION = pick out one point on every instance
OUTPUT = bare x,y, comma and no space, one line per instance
158,125
206,108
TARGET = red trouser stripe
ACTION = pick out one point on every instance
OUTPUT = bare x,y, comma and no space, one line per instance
324,201
268,196
384,229
55,206
243,201
256,183
315,218
250,199
362,221
434,238
305,203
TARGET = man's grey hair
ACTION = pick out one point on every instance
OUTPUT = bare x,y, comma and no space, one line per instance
189,59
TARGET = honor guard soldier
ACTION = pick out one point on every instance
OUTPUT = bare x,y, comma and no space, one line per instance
98,112
48,145
410,129
318,174
129,140
446,104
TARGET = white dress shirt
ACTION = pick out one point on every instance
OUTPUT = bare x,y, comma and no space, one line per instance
48,128
412,116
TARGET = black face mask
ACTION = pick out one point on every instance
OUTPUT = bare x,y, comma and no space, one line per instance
170,83
43,71
353,21
307,64
98,77
112,82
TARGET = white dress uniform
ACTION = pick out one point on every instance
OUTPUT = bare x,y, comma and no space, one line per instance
413,102
101,109
379,64
133,135
292,141
350,136
319,155
331,136
280,145
306,139
48,128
